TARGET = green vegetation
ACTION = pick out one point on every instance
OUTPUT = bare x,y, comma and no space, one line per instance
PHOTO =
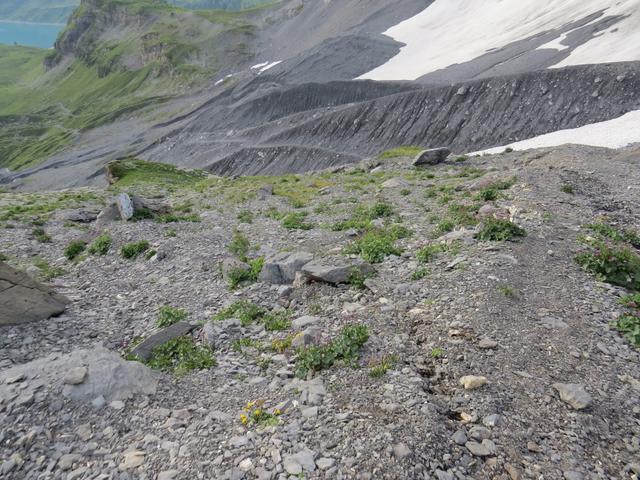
363,216
508,291
436,352
132,171
281,345
134,250
629,323
47,271
427,253
380,368
173,50
346,347
256,415
180,356
375,245
40,235
249,313
239,245
567,188
606,230
420,273
295,221
407,151
498,230
245,216
611,256
167,316
35,208
238,275
101,245
74,249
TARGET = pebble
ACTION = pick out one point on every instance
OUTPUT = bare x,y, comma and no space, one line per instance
401,451
484,449
574,394
75,376
472,382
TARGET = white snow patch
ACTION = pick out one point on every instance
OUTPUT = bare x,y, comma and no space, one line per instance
268,65
617,133
259,65
450,32
223,79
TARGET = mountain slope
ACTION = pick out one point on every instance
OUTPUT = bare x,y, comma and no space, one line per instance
39,11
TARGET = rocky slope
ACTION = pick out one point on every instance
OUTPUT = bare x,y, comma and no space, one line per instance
483,358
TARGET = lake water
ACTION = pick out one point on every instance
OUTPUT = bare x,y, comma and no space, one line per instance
31,34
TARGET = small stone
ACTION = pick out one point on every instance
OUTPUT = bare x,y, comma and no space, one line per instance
168,475
472,382
310,412
65,462
572,475
534,447
573,394
245,465
401,451
493,420
98,402
487,344
16,379
459,437
484,449
117,404
325,463
513,472
132,460
291,465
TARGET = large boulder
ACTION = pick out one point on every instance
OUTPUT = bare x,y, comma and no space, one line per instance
81,376
336,273
281,268
433,156
23,300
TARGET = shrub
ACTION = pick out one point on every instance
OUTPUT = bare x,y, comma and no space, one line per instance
74,249
239,245
101,245
181,355
374,246
238,275
40,235
629,326
295,221
607,230
488,194
499,230
277,321
566,188
168,316
245,216
385,364
346,347
364,215
420,273
243,310
48,271
428,252
615,264
134,249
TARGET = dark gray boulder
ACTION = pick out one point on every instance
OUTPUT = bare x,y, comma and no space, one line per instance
433,156
336,273
145,349
281,268
23,300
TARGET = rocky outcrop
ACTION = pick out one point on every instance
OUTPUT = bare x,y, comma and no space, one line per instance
23,300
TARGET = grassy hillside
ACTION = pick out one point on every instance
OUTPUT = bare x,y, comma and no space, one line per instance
43,11
165,52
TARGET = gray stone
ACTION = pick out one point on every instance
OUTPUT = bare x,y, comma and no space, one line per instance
282,268
107,216
487,344
143,351
125,206
395,183
551,322
573,394
75,376
572,475
336,273
325,463
303,322
433,156
484,449
401,451
23,300
459,437
80,216
493,420
108,376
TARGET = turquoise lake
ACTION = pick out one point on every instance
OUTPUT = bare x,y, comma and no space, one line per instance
30,34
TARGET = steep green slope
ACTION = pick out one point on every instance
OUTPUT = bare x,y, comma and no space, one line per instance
43,11
92,79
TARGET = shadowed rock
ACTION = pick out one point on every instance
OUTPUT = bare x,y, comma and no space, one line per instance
281,268
337,273
433,156
24,300
144,350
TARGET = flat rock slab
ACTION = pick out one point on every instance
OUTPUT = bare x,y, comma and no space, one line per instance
144,350
125,206
336,273
573,394
281,268
96,372
23,300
